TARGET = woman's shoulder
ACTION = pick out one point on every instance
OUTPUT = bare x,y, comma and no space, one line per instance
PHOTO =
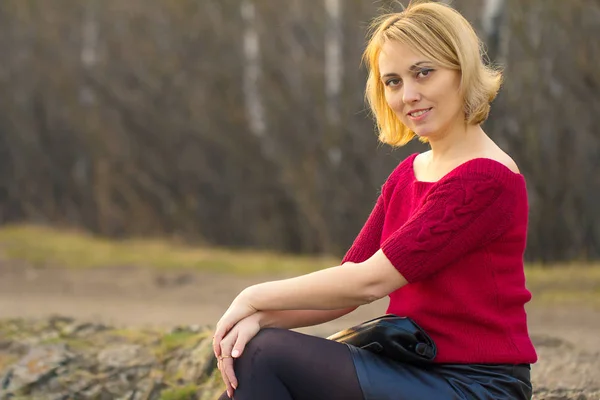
501,160
500,169
485,173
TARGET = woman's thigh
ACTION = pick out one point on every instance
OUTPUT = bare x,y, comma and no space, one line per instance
282,364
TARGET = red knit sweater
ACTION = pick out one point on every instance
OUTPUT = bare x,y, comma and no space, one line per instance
459,242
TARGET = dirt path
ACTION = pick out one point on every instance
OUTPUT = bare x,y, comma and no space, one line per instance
567,339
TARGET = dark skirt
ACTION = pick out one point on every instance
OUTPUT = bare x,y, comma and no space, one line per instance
384,379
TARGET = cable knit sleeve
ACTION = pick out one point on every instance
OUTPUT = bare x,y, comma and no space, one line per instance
368,241
457,216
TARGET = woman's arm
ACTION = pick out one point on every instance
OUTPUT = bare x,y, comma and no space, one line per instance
329,289
366,244
460,215
291,319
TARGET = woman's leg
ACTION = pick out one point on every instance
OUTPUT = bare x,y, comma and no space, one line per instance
279,364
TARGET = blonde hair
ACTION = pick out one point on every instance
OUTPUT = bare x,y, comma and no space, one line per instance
444,35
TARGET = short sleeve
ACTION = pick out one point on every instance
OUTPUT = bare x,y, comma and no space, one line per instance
368,241
456,217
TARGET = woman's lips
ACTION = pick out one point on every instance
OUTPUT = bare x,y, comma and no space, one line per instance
421,114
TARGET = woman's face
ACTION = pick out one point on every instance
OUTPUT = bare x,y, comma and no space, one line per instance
425,96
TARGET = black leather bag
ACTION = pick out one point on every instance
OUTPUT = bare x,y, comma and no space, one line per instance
398,338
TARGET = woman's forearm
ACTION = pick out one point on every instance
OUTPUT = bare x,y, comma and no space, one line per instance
328,289
291,319
333,288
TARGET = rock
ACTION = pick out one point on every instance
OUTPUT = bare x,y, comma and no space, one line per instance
200,363
82,329
123,356
153,390
36,368
63,359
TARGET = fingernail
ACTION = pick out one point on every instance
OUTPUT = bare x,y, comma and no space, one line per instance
234,385
235,353
228,393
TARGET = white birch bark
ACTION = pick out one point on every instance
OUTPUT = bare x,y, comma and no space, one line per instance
491,12
334,67
252,70
89,48
494,28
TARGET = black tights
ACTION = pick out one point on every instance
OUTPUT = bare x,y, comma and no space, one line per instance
279,364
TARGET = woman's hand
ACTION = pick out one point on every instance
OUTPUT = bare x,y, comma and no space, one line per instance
239,309
233,345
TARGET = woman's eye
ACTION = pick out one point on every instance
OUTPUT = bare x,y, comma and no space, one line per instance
424,72
392,82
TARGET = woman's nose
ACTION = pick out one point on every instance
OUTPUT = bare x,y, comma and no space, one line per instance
411,94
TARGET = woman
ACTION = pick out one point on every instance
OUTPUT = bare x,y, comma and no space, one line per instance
445,241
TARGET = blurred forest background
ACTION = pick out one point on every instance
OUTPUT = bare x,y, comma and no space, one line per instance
242,122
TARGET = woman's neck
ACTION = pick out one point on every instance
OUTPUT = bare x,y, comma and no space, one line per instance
458,144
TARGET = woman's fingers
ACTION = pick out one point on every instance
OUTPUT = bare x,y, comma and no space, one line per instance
242,334
227,370
235,329
237,311
243,337
216,345
228,386
220,332
222,329
226,358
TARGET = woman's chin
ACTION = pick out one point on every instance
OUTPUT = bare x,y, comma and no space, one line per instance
423,133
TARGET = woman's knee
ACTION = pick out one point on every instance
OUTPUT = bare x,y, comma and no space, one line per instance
262,349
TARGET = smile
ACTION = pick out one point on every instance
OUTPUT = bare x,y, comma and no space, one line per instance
418,115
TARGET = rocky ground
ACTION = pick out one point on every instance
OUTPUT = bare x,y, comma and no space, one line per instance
134,333
59,358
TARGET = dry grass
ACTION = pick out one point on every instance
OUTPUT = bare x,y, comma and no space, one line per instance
573,283
43,246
